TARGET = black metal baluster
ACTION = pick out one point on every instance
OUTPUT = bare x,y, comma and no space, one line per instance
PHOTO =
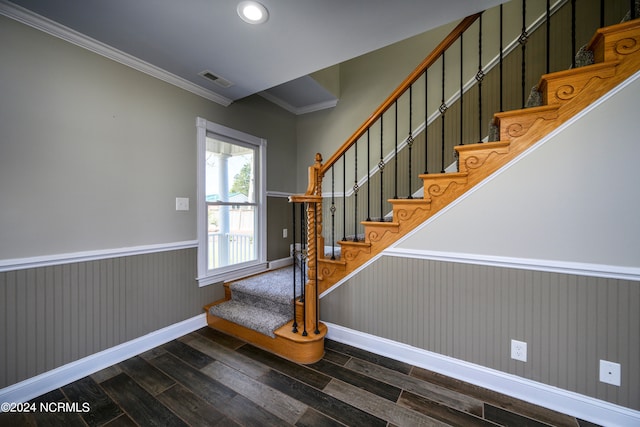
410,139
523,44
344,198
304,269
548,28
632,8
426,121
315,239
443,110
381,168
303,251
355,194
368,176
293,251
461,89
479,78
602,13
395,153
573,33
333,215
501,58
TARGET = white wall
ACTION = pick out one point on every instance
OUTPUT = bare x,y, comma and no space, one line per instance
575,198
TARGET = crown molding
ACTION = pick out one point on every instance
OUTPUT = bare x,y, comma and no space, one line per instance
62,32
299,110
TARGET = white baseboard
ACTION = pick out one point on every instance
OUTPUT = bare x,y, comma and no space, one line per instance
56,378
567,402
279,263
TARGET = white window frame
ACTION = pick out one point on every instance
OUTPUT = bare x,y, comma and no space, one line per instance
205,276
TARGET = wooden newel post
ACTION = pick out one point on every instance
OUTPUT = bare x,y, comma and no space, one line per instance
315,241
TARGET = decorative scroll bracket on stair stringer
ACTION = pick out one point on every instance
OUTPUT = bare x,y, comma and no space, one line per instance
477,161
407,214
520,128
437,190
627,46
351,253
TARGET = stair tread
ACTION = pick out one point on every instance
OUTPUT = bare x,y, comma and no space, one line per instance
572,72
484,145
338,260
416,201
352,243
526,111
274,285
252,317
443,175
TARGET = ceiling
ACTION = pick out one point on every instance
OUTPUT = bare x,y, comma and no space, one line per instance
176,40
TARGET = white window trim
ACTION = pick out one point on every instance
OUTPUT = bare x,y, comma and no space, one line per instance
205,277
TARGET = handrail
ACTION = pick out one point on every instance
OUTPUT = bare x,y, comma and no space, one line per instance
412,78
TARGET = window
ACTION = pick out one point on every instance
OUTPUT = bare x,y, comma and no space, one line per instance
231,203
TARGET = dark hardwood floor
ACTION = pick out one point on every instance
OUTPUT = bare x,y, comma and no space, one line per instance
208,378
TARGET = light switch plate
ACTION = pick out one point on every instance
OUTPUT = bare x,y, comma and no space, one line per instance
182,203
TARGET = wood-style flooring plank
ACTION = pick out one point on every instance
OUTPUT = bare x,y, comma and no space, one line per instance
509,403
251,415
313,418
220,337
17,419
229,357
55,419
193,410
509,419
387,362
106,373
320,401
188,354
302,373
122,421
141,406
378,406
441,412
425,389
198,383
280,404
102,408
335,357
368,383
146,375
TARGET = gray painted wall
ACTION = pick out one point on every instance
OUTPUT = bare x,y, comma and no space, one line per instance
55,315
93,153
471,313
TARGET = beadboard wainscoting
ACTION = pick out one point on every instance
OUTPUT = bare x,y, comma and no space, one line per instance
470,313
58,314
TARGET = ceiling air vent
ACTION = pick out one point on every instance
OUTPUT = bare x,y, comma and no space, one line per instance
216,79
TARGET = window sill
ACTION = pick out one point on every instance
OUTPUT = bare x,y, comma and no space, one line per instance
235,274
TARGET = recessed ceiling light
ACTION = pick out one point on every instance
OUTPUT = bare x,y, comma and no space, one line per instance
252,12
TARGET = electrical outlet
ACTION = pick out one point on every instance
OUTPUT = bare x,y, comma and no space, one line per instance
610,372
519,350
285,233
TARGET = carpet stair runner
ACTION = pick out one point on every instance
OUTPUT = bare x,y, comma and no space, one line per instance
263,303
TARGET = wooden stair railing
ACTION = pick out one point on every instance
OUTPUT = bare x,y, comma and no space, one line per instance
617,54
564,93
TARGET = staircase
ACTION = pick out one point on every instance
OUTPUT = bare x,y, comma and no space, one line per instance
616,53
